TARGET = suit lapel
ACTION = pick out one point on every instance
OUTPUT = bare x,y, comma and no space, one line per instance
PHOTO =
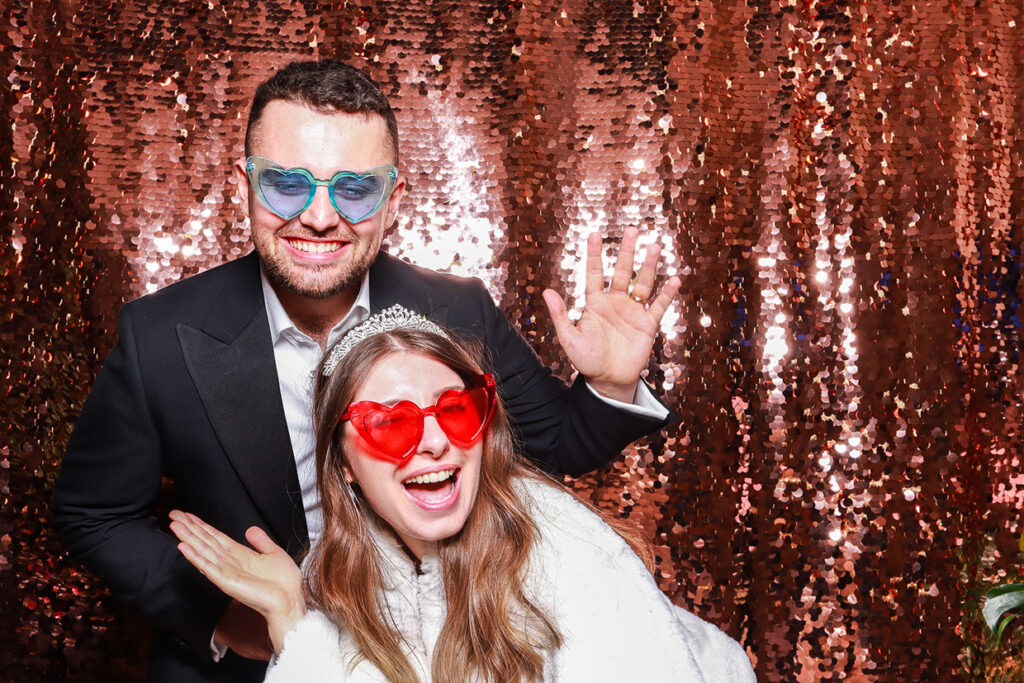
230,357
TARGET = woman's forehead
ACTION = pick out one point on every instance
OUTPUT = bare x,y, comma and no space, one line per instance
407,375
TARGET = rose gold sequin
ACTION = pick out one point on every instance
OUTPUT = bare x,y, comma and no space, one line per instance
837,184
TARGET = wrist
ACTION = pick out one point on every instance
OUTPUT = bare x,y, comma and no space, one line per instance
624,393
281,622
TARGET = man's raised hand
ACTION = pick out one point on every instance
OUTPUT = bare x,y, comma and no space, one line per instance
611,343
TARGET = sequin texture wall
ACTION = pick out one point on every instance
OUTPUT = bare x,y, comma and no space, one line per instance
837,183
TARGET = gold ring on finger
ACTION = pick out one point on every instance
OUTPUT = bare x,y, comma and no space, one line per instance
638,299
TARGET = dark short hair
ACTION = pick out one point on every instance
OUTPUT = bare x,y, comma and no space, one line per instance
324,85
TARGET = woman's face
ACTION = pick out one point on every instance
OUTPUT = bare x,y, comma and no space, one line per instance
430,496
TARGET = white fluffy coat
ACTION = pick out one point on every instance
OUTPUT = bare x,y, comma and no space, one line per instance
617,625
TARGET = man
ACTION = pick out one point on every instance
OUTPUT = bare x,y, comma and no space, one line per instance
210,381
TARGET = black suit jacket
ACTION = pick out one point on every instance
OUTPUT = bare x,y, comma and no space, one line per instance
190,392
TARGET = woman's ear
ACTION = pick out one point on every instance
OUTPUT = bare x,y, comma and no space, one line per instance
347,474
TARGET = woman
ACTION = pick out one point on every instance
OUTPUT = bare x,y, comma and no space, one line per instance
444,557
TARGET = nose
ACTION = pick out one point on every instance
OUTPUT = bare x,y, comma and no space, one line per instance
434,442
320,215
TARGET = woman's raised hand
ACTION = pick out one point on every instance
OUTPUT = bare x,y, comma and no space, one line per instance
263,577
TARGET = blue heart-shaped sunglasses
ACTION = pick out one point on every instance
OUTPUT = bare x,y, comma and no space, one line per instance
288,191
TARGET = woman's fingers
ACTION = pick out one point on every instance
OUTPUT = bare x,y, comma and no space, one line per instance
186,533
193,527
261,541
210,567
217,551
209,533
197,560
220,567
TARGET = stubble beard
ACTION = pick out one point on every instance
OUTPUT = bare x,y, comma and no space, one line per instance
323,284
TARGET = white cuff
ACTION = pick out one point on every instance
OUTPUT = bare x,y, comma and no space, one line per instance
644,403
217,651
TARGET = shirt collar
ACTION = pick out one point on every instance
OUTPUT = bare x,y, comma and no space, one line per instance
280,322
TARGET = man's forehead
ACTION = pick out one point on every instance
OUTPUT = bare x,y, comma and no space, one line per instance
309,134
301,114
284,107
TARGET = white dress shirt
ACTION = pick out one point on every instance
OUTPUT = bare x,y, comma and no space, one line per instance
297,356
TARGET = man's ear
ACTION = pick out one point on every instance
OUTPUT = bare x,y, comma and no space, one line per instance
242,184
394,201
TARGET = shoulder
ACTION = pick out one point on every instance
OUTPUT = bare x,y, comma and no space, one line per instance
315,627
578,555
605,601
393,270
576,548
232,274
225,280
562,517
458,303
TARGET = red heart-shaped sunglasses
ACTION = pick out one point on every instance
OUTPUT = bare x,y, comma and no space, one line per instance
395,431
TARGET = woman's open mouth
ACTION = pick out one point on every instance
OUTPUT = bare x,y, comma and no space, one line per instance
433,491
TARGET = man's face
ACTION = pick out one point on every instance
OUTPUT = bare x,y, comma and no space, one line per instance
317,254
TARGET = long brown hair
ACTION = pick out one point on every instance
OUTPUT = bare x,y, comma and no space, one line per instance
483,566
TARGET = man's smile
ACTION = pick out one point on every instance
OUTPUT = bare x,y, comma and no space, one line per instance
317,249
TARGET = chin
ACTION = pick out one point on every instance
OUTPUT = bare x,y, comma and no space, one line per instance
440,530
317,285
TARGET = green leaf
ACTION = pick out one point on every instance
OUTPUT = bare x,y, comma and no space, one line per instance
1001,600
1002,626
1004,589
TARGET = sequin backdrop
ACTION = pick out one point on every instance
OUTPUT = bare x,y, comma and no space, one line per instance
838,184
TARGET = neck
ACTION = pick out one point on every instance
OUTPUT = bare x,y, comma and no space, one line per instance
414,549
416,556
316,317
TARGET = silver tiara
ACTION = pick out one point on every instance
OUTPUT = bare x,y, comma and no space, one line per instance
394,318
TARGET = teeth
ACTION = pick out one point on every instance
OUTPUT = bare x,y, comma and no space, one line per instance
314,247
431,478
